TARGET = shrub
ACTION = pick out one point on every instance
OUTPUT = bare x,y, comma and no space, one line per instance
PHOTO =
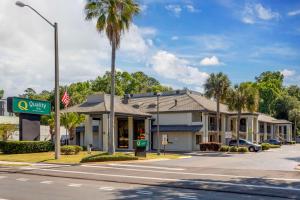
105,157
210,146
233,149
243,149
70,149
274,146
16,147
224,148
265,146
293,142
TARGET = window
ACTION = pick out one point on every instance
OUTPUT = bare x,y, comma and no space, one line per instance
243,125
268,129
198,139
261,128
196,117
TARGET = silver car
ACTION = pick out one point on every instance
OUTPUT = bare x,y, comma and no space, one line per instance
245,143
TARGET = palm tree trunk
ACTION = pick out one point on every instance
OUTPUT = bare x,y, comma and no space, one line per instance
238,128
218,119
111,146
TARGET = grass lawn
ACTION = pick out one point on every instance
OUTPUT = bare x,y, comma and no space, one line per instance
48,157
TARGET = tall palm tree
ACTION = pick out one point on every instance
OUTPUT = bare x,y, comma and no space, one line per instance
243,97
70,121
294,115
113,18
216,86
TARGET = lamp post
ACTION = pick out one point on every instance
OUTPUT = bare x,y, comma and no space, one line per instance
157,124
56,90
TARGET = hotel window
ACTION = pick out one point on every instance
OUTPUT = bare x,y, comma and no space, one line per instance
196,117
268,129
198,139
261,128
243,125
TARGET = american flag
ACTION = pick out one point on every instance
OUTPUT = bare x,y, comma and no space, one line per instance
65,99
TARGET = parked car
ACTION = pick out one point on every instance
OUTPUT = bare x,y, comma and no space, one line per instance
273,141
244,143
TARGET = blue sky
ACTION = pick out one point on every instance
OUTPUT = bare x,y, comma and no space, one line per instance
179,42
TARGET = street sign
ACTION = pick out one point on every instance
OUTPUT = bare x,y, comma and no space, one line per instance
164,139
30,106
228,135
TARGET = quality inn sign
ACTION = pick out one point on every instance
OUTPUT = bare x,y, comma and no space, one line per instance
30,106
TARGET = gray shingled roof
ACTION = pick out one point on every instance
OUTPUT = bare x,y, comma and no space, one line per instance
100,103
267,118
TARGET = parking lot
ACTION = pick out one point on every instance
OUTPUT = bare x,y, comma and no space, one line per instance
285,158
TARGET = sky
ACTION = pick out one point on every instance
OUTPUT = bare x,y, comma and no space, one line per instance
179,42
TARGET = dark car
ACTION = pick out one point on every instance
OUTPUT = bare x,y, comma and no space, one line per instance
244,143
273,141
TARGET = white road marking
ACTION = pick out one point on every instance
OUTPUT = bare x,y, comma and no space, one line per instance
176,180
188,197
144,192
47,182
2,177
28,168
22,179
74,185
3,199
106,188
150,167
191,173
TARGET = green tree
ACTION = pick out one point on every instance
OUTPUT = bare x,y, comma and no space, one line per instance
78,92
270,85
49,120
294,116
282,106
6,130
294,91
243,97
1,94
70,121
29,93
217,86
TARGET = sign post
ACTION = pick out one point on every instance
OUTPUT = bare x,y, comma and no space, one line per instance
164,142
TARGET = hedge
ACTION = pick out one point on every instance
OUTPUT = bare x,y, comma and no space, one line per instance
243,149
265,146
106,157
274,146
18,147
233,149
224,148
210,146
70,149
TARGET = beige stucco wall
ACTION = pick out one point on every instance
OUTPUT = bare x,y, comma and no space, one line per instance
173,118
181,141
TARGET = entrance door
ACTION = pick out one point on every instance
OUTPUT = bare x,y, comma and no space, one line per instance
123,134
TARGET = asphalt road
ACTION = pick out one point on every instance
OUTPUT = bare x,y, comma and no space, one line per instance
14,186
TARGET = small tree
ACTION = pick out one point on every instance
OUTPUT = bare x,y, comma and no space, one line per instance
294,115
70,121
243,97
6,130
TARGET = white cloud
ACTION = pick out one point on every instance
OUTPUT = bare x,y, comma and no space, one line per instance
212,42
287,73
293,13
175,38
191,8
254,13
26,45
170,66
175,9
210,61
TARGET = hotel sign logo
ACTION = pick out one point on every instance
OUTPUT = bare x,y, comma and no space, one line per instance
30,106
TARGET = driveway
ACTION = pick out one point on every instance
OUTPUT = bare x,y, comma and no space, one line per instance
285,158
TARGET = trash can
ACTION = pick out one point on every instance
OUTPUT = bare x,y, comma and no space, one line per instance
141,146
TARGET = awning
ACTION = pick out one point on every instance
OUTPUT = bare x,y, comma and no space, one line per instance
177,128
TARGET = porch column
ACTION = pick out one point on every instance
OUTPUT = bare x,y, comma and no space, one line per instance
223,129
147,133
100,131
130,133
265,131
88,127
257,131
288,132
272,131
116,133
250,128
205,134
105,128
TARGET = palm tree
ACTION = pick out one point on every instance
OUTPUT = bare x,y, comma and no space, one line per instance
216,86
294,115
70,121
243,97
113,18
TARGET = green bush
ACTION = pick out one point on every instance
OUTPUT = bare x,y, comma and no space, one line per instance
293,142
224,148
70,149
210,146
233,149
17,147
243,149
265,146
106,157
274,146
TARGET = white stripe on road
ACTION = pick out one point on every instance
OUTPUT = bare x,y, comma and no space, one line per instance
47,182
106,188
22,179
175,180
188,197
1,177
74,185
3,199
144,192
150,167
189,173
